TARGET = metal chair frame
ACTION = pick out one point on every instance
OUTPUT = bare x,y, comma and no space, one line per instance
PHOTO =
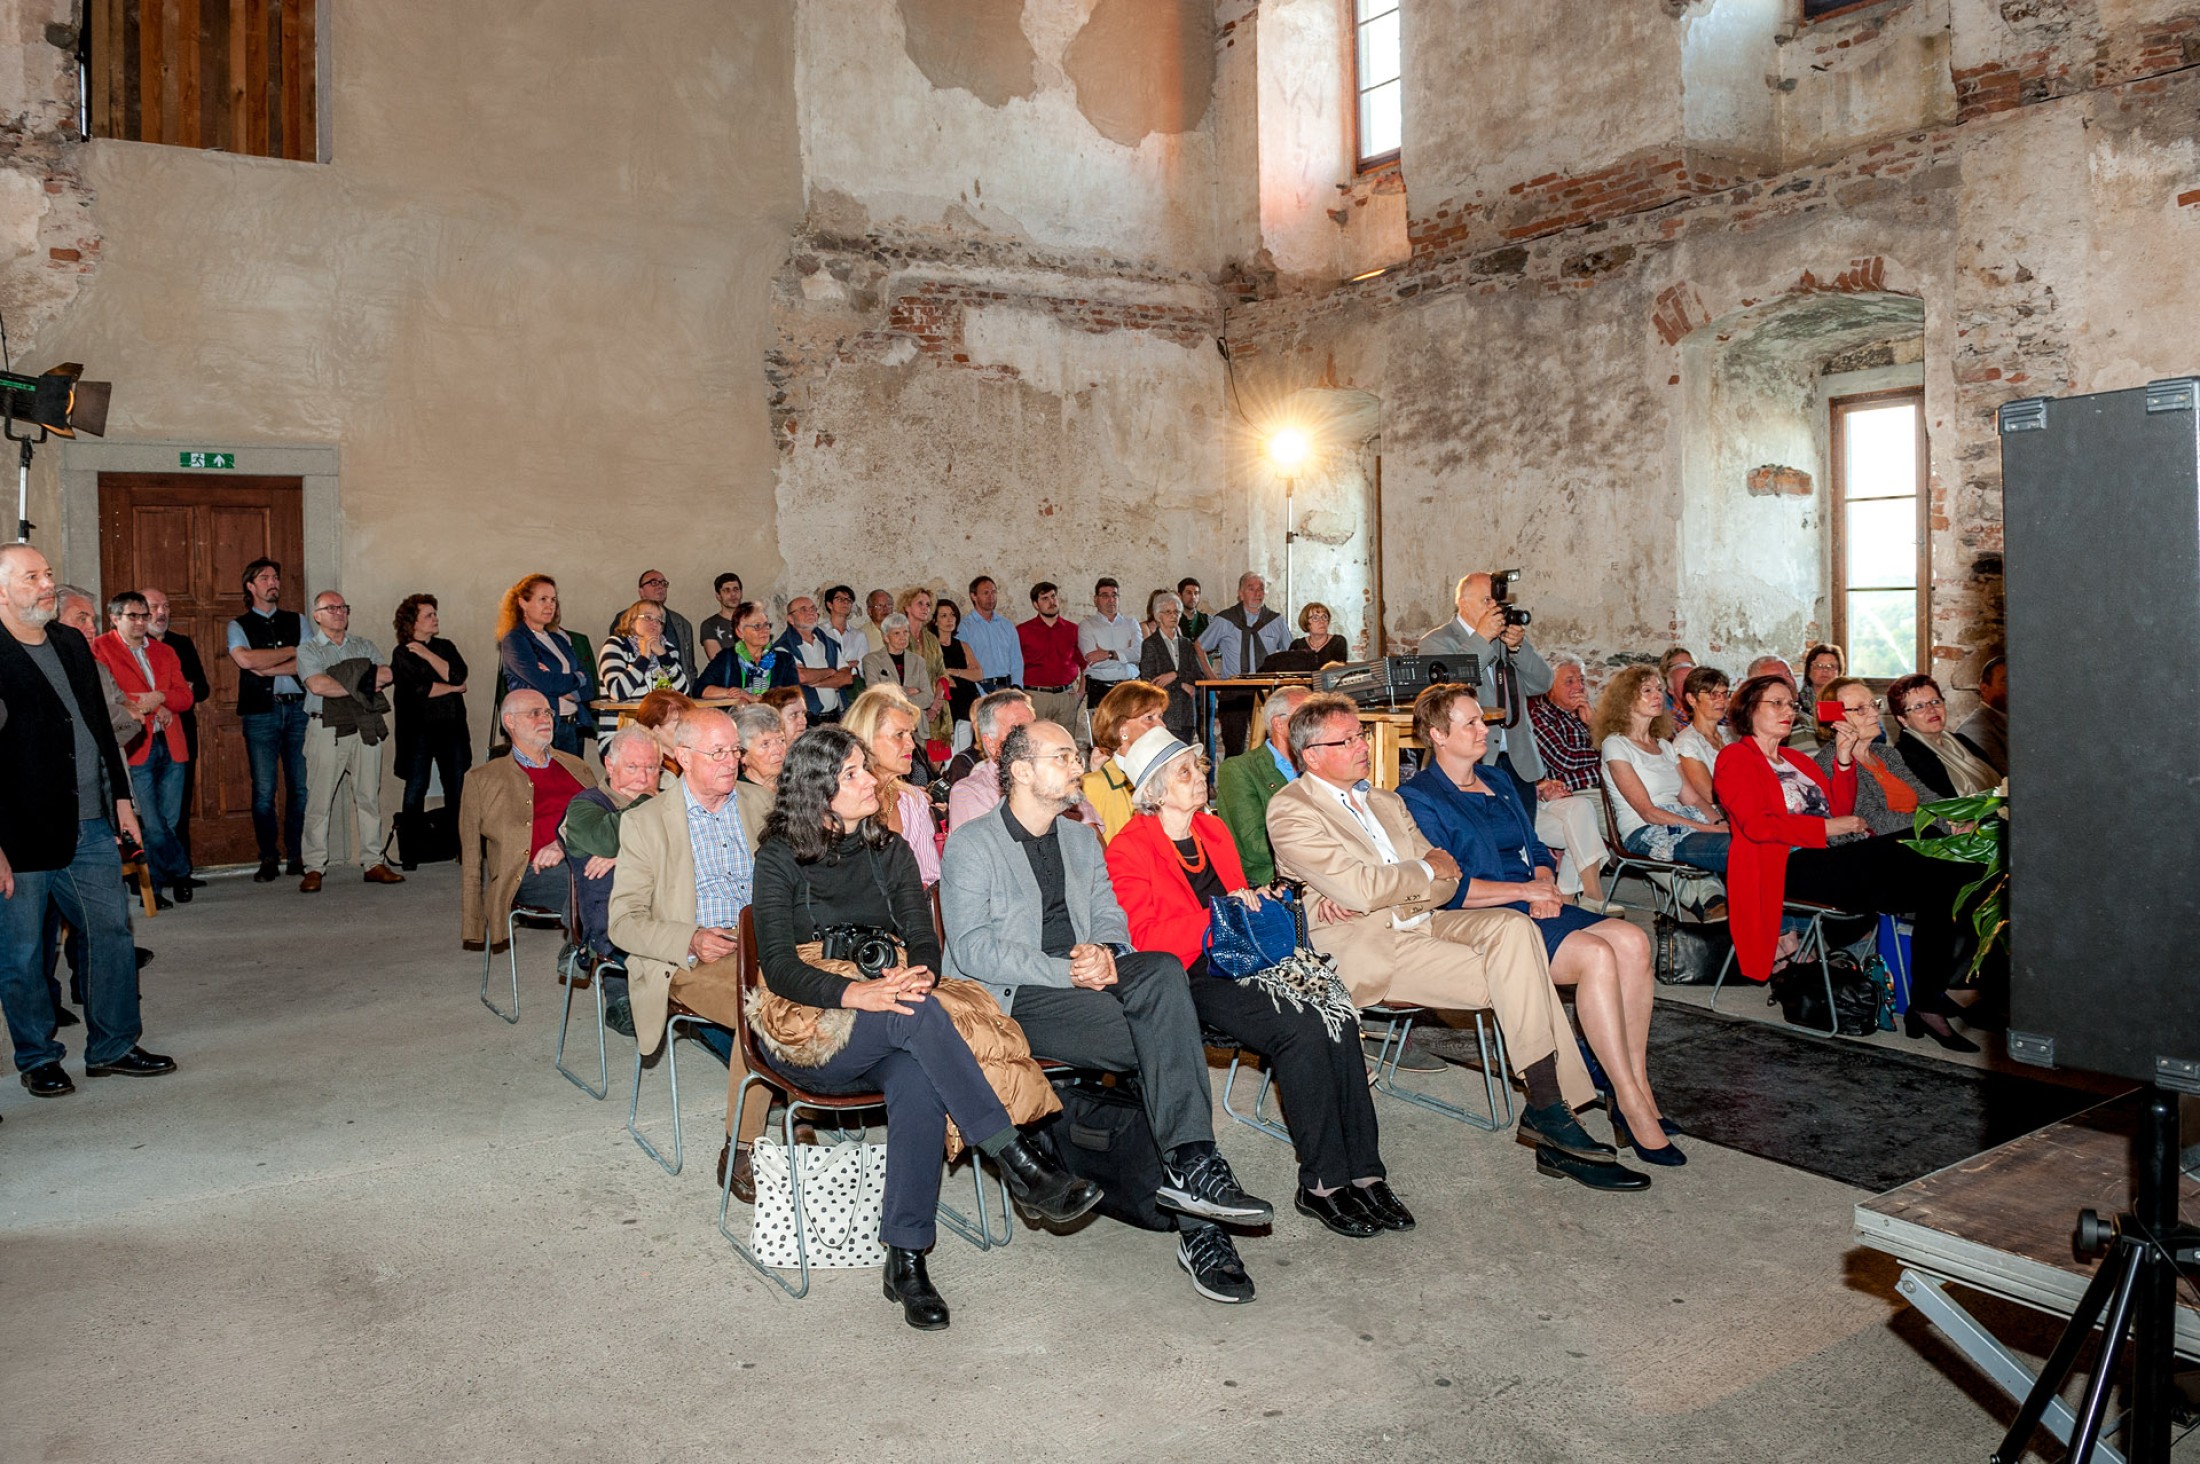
679,1017
1255,1120
533,915
1814,940
568,969
1397,1020
1664,898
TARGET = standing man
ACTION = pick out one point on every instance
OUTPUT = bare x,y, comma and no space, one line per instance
876,607
344,675
1987,729
1107,643
150,676
194,676
817,658
991,637
1196,620
1054,669
1236,642
679,633
1511,673
715,632
272,706
62,803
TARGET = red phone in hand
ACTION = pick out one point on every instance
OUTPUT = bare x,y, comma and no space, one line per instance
1831,711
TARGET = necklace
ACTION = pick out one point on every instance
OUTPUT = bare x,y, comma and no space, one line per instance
1191,866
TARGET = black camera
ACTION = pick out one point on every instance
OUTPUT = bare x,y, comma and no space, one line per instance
872,950
1501,590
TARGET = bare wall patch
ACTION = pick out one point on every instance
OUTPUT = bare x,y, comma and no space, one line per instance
1143,66
978,45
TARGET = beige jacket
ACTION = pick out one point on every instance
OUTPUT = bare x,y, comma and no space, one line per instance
496,824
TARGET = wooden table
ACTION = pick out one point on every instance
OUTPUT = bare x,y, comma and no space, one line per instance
624,709
1208,733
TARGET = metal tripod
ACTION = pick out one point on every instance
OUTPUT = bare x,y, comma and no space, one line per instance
2137,1286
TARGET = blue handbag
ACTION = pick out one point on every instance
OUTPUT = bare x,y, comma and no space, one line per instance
1242,941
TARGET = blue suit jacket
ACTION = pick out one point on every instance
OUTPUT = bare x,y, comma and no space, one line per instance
1466,826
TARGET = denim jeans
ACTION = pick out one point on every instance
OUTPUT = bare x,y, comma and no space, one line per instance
269,738
157,786
89,895
1705,851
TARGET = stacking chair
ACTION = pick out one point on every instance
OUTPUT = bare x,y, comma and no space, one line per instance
1395,1021
571,974
797,1098
1664,897
679,1022
1252,1118
1814,944
518,915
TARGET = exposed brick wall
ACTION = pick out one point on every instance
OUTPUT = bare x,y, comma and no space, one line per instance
1556,202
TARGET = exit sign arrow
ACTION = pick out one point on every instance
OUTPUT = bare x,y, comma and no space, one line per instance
206,460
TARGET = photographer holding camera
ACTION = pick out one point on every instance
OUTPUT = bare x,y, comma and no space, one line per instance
1490,626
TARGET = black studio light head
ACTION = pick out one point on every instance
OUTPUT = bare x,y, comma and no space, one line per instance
59,400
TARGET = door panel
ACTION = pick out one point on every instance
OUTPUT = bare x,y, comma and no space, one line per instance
192,535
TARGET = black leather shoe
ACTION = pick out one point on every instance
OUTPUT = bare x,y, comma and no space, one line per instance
1555,1164
162,902
194,882
1383,1206
295,868
63,1017
267,873
1554,1126
1042,1189
47,1080
907,1283
182,893
1338,1211
136,1063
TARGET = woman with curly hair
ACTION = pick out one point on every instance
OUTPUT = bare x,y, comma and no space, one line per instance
537,654
429,697
1643,774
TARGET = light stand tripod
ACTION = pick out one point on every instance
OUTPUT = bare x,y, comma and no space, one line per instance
2137,1285
23,523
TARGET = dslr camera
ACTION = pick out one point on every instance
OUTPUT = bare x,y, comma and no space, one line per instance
1501,590
872,950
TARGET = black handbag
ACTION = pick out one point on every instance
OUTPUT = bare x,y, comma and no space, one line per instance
427,837
1800,992
1690,954
1102,1135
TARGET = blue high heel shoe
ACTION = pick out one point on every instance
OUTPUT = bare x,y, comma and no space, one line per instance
1670,1156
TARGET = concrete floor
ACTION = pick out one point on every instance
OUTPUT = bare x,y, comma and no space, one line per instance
368,1221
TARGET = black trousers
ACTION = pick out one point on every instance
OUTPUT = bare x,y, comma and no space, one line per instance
1323,1082
1881,876
1144,1024
923,1066
445,747
1234,717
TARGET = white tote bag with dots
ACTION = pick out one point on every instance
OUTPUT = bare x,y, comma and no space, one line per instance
843,1198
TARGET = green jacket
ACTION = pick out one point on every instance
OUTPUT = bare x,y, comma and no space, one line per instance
1242,790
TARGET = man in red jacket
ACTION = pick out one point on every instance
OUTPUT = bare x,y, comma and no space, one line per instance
151,677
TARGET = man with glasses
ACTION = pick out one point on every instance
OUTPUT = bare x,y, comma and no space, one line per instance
508,847
151,677
1381,916
344,676
679,634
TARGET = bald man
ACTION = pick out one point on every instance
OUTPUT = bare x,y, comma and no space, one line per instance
1512,672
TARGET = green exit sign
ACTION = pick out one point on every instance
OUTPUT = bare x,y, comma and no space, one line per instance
206,460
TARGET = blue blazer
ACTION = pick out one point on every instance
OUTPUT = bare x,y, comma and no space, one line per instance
527,666
789,644
1467,826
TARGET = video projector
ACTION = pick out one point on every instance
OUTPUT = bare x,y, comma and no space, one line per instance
1395,681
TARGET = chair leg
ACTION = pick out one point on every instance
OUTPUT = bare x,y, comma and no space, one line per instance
1386,1078
603,1054
1254,1120
1496,1068
1817,937
1724,967
672,1070
794,1180
978,1232
488,963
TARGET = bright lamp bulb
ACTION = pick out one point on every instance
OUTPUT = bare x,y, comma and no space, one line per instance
1288,449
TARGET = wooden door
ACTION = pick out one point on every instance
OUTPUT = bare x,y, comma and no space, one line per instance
191,535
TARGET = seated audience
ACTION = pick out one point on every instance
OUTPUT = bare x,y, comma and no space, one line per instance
536,655
1328,649
1823,664
1986,731
508,823
963,673
1245,783
1482,824
1569,815
1938,757
818,662
1382,915
1673,669
659,714
825,859
1029,913
1704,696
150,676
1168,866
1128,712
430,700
1887,792
715,632
792,704
885,722
1169,659
590,834
900,666
764,743
637,657
1786,812
1643,774
995,715
1801,738
749,664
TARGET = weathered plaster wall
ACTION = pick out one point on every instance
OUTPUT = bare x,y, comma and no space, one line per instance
527,300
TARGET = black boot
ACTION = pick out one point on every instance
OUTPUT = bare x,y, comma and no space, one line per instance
1043,1190
907,1283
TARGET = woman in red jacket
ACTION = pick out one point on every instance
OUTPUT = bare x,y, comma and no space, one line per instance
1167,863
1783,809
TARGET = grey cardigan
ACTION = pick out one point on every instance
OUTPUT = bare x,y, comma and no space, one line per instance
989,904
1871,800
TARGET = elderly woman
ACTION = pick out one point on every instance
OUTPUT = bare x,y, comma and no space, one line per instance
1937,756
1169,659
1328,649
885,721
751,665
764,744
1787,813
1643,774
963,673
1128,712
1887,792
1169,865
826,859
1704,695
794,711
899,665
430,700
1482,824
659,715
537,655
638,658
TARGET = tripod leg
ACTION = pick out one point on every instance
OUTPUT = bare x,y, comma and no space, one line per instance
2056,1371
2087,1429
2153,1333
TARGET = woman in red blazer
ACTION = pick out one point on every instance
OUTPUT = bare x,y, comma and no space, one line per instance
1166,864
158,756
1795,837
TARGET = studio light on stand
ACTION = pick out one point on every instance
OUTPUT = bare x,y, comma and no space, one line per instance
56,403
1288,449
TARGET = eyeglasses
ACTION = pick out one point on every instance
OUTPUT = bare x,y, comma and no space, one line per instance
1067,754
715,754
656,584
1785,704
332,610
1359,736
1925,706
649,620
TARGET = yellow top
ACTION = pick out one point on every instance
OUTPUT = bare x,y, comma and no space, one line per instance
1109,793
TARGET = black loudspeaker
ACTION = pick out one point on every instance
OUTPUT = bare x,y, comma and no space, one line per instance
2101,506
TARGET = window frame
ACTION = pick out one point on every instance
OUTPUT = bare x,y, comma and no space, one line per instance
1364,163
1838,408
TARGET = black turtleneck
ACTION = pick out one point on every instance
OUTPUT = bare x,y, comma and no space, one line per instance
851,885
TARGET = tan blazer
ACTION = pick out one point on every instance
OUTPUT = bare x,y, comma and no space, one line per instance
1316,841
496,824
